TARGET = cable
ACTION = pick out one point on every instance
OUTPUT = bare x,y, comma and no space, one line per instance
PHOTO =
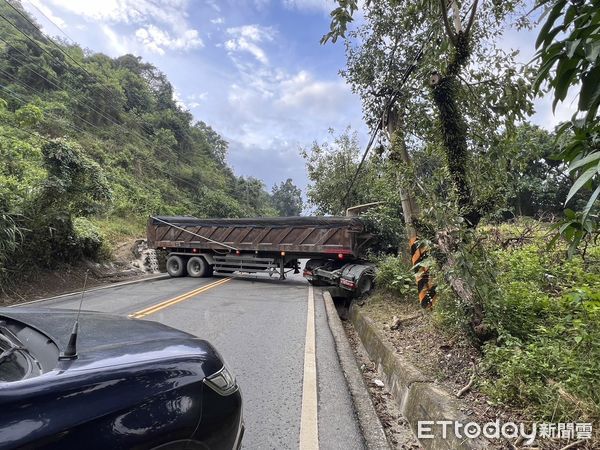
27,86
51,82
16,96
37,135
388,105
52,41
85,70
127,131
14,139
69,56
403,81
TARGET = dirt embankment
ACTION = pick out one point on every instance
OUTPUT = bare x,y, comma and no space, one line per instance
450,360
131,260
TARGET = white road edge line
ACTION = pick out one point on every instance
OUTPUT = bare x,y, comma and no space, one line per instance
309,423
99,288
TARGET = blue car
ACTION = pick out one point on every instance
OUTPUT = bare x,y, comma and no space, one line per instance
114,383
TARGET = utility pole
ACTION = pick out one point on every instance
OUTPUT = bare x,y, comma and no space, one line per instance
410,208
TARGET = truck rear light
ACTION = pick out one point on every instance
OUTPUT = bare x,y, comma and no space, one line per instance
194,250
282,253
340,256
307,273
347,283
237,252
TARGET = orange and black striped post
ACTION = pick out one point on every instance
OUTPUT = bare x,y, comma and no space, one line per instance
425,288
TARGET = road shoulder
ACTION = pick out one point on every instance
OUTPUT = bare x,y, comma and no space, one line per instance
370,425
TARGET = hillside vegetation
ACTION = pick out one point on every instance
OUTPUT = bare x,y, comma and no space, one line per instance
91,145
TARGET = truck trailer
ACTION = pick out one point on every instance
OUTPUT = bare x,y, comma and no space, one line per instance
333,246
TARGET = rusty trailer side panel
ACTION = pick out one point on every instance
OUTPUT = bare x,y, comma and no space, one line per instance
301,236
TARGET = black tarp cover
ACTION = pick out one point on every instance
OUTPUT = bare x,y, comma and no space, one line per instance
299,221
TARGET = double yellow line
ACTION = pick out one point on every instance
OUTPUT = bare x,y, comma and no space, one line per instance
155,308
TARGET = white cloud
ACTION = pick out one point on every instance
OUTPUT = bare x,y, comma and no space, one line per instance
46,11
218,21
546,118
189,102
196,100
213,4
161,26
304,92
272,105
157,40
178,100
127,11
246,39
311,5
117,45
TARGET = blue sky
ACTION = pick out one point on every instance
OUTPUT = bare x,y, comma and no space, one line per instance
252,69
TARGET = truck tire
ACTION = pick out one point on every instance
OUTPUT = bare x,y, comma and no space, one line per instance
197,267
176,266
365,284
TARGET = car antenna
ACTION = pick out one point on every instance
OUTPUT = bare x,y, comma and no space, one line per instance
71,350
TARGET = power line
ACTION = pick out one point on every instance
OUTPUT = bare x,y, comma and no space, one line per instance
409,70
27,86
17,97
30,133
54,43
53,83
143,138
66,66
24,16
54,58
88,73
22,100
39,136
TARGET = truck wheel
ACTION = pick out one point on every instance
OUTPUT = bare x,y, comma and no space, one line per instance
175,266
197,267
366,283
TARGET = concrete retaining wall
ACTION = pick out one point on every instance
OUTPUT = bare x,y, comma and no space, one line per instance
419,398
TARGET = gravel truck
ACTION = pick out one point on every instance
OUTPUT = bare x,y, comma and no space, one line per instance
333,246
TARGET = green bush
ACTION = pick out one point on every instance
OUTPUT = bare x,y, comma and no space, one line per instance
395,275
89,239
547,314
10,236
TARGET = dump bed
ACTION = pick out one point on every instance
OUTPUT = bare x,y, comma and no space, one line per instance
301,236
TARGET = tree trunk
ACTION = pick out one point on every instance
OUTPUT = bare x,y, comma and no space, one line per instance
454,128
399,154
447,243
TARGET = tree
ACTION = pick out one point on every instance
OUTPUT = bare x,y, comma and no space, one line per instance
569,55
287,198
428,74
73,121
75,188
330,167
467,95
539,182
251,192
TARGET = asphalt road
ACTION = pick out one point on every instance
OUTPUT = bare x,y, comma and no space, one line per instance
259,325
